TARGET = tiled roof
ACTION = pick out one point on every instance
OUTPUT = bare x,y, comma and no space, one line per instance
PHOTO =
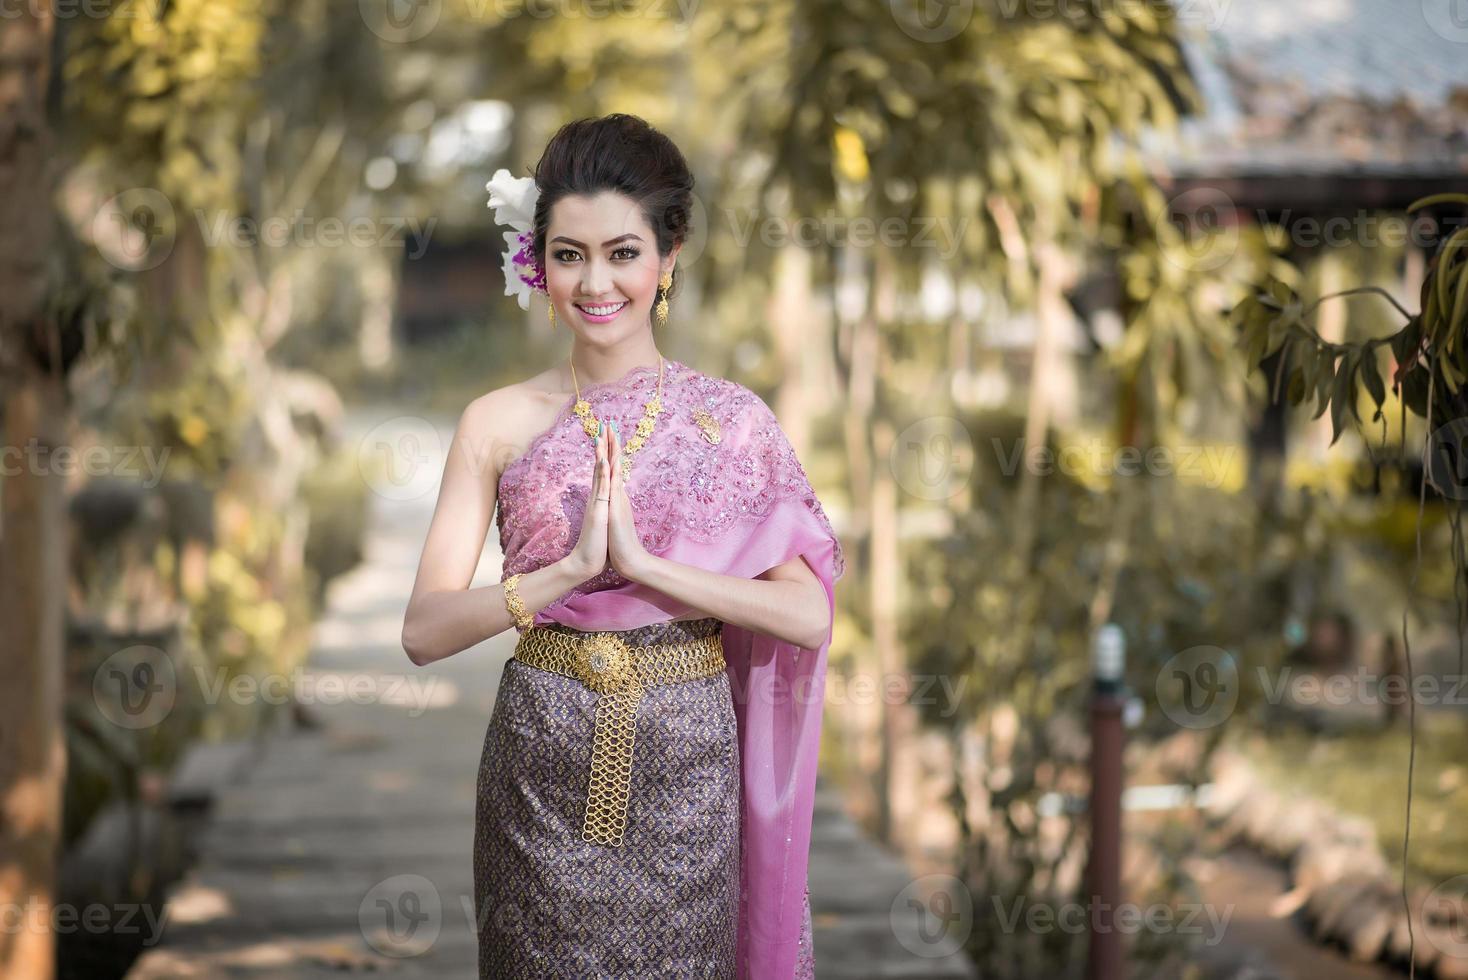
1374,49
1305,87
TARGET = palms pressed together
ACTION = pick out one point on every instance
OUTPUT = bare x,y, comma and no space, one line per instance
609,531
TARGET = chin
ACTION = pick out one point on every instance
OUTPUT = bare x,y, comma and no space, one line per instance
622,327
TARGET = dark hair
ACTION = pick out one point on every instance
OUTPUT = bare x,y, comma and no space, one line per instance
616,152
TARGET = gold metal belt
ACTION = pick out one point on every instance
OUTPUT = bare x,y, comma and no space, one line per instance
620,673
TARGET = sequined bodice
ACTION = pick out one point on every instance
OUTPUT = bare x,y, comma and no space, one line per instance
681,483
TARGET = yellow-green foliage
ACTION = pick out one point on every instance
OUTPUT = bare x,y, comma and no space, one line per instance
240,624
336,497
166,96
198,419
1366,774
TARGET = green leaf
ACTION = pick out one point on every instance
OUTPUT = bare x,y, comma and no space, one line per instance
1414,390
1309,366
1405,341
1451,375
1460,303
1279,329
1323,379
1451,255
1341,397
1371,375
1297,387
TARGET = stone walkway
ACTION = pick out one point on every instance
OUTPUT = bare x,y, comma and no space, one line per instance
346,848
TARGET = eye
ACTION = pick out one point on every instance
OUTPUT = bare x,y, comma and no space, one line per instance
560,253
632,252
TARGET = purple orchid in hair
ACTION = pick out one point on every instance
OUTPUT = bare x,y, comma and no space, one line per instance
532,272
513,199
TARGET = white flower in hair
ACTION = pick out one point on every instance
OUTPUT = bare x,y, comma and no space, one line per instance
513,200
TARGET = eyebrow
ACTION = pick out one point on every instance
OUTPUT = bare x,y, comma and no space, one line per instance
610,241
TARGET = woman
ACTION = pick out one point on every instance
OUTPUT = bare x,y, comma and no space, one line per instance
648,775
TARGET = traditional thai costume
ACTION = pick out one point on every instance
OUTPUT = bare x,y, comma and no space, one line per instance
648,776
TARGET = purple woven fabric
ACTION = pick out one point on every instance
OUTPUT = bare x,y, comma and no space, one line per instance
664,903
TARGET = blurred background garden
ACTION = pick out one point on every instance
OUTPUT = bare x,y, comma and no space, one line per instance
1088,318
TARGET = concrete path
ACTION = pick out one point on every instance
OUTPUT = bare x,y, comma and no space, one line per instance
347,848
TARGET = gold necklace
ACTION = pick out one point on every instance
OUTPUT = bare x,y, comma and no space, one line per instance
645,425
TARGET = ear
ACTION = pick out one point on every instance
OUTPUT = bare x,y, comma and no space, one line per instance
672,260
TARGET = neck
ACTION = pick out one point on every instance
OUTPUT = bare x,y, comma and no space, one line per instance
595,366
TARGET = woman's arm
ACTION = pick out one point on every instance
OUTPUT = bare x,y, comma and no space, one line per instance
445,616
787,602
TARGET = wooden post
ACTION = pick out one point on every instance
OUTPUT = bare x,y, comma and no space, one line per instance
1108,653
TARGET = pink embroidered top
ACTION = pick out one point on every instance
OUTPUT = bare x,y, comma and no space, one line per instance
738,506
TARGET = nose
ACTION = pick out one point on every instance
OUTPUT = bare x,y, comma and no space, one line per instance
596,278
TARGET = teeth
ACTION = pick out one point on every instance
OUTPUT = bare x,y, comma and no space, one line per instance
603,310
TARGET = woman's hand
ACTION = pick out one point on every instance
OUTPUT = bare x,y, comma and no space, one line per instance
590,552
624,547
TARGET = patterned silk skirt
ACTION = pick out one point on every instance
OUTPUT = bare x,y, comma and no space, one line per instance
663,904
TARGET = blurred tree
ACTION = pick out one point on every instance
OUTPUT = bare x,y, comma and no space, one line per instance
1429,379
171,128
34,355
1003,123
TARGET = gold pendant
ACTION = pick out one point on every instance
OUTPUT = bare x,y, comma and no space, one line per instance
588,421
708,424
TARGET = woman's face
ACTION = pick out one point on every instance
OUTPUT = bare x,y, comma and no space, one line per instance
602,266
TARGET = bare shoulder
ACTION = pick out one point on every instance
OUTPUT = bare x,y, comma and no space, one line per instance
500,423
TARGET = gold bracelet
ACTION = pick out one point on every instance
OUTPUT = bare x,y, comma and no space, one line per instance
523,620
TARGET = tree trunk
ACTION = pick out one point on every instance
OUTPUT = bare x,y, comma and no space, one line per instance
793,333
857,349
32,515
32,744
898,790
1050,311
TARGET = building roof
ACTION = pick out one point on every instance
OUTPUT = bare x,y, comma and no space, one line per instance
1324,87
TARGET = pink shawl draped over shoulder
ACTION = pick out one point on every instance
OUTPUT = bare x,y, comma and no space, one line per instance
738,506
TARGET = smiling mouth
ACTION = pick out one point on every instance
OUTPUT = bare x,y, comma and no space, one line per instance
604,310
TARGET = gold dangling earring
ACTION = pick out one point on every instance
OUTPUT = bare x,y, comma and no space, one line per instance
666,283
550,312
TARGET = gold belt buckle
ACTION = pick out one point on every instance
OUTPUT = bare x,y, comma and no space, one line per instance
605,663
